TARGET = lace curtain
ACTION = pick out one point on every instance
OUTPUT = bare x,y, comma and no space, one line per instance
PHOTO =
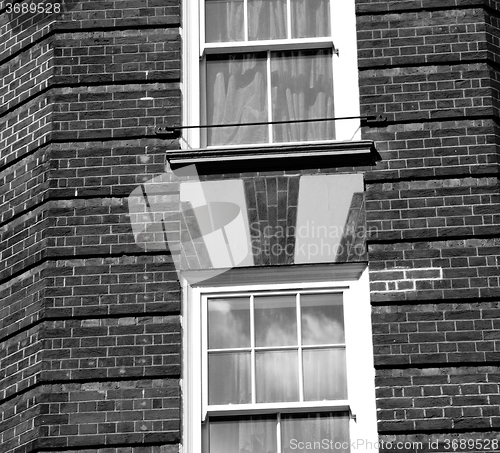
301,89
237,93
299,433
278,331
267,19
301,82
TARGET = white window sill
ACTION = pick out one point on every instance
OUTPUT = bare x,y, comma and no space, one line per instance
320,153
274,44
274,408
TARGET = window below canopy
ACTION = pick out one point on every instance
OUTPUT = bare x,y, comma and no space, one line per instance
273,363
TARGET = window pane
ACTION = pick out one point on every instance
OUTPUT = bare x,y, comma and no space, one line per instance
252,435
322,319
266,19
324,374
229,378
310,18
329,430
302,89
224,20
229,323
276,376
236,94
275,321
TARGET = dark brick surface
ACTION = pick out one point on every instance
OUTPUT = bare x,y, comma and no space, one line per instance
90,322
454,397
432,215
272,205
80,301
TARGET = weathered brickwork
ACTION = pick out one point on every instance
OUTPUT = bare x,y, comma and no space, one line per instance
89,322
431,92
21,302
25,129
439,399
422,37
24,186
18,421
21,363
435,209
114,413
90,328
433,217
271,202
456,333
104,112
27,75
117,56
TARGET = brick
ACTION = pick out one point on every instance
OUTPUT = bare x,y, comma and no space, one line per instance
77,139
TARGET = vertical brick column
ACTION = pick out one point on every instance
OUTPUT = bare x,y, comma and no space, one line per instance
432,210
89,321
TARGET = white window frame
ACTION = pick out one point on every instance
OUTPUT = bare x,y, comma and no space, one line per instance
359,352
345,86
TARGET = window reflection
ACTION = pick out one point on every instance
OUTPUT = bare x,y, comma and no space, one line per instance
275,321
273,363
322,319
229,323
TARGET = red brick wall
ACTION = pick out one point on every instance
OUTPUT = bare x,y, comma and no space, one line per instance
89,322
433,207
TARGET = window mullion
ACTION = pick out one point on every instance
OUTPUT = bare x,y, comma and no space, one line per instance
278,432
289,19
201,26
299,349
269,98
204,363
245,19
203,104
252,352
334,64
